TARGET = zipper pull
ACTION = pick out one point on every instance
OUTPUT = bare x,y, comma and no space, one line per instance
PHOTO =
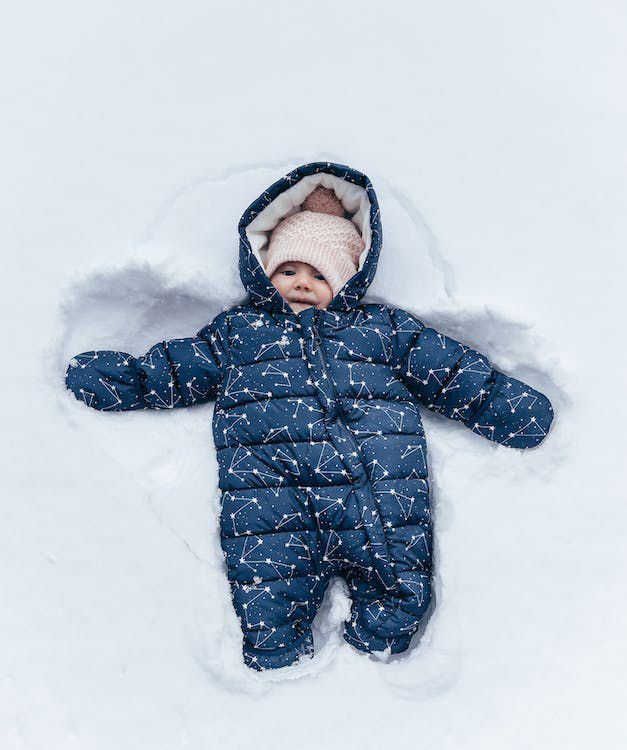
314,329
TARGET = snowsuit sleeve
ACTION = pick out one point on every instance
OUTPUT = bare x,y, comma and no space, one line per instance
178,372
460,383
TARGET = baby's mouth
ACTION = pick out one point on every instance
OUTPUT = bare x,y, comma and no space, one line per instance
303,301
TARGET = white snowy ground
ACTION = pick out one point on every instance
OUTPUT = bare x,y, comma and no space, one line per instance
132,137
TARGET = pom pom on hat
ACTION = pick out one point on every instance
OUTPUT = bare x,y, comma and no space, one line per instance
323,201
319,235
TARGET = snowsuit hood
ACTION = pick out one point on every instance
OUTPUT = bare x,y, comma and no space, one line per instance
283,198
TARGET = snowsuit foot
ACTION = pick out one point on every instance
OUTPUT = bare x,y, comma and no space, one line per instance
295,642
381,620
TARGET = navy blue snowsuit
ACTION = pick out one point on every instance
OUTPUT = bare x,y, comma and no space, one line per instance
321,450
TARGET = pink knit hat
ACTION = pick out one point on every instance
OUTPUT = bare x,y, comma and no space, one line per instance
318,235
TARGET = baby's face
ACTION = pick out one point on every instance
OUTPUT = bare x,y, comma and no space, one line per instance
301,285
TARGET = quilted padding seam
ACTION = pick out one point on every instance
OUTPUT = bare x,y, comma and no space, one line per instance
313,486
318,442
275,580
499,379
173,373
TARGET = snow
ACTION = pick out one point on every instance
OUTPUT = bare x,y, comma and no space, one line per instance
132,138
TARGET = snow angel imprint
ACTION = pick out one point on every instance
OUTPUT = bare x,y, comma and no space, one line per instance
321,450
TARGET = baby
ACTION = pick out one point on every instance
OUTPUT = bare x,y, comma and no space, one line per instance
321,451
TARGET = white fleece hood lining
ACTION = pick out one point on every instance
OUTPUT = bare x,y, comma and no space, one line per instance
353,197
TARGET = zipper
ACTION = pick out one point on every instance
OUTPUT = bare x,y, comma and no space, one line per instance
390,585
339,416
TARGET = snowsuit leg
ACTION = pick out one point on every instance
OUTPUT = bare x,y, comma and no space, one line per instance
387,617
276,619
276,576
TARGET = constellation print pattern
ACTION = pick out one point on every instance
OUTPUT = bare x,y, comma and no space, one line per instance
322,457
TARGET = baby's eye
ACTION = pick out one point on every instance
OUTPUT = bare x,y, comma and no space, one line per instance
319,276
288,272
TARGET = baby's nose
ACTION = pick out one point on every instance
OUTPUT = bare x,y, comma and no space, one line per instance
302,282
